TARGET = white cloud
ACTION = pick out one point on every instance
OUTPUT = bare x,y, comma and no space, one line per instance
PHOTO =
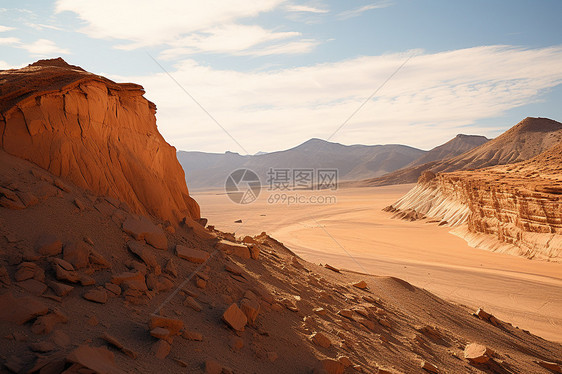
429,100
358,11
9,41
297,47
5,66
304,9
143,23
5,28
44,48
40,26
188,27
225,39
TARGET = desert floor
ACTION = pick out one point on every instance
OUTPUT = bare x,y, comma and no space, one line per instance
353,233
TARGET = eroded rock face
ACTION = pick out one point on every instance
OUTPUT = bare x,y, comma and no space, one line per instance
98,134
514,209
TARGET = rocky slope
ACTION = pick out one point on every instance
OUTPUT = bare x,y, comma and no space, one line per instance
98,134
511,208
525,140
457,146
87,285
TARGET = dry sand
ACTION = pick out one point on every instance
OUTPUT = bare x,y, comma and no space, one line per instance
355,234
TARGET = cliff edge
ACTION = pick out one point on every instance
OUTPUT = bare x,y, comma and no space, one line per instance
97,134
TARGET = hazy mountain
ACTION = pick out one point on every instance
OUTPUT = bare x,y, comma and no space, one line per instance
454,147
352,162
523,141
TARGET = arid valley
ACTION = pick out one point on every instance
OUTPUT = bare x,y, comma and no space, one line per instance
356,234
280,187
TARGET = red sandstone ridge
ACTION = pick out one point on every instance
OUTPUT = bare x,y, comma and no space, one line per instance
96,133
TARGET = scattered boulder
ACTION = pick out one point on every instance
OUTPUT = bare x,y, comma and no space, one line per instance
42,347
144,229
552,366
321,340
65,271
29,270
485,316
96,295
77,253
361,285
347,313
171,268
130,280
161,349
98,359
330,267
254,251
477,353
144,253
329,366
192,335
174,326
236,249
113,288
345,360
190,301
320,311
160,333
21,309
48,245
249,240
234,269
196,256
213,367
45,324
33,286
251,308
117,344
235,318
428,366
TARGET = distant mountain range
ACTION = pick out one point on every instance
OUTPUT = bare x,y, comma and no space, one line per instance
353,162
523,141
379,165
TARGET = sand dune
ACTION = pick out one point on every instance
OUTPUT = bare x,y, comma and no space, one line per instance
518,290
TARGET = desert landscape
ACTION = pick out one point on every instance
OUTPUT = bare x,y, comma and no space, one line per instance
313,187
323,288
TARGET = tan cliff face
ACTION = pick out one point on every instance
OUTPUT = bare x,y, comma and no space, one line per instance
98,134
511,208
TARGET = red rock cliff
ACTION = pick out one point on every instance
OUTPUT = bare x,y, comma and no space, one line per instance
96,133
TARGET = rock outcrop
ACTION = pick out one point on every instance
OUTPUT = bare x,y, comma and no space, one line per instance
515,208
98,134
527,139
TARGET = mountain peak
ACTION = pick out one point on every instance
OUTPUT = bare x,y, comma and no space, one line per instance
56,62
537,124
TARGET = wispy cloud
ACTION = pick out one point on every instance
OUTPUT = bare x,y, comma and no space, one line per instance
40,26
9,41
358,11
6,28
430,99
188,27
44,48
304,9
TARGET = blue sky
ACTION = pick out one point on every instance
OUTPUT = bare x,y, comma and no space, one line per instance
275,73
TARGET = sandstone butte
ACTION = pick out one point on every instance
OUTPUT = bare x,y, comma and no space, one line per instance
97,134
